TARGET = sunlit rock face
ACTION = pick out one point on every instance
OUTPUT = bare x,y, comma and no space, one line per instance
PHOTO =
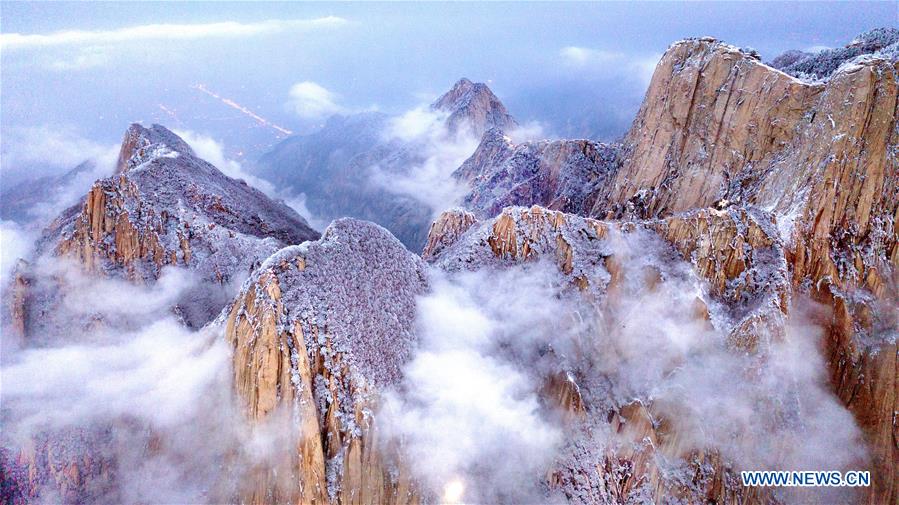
318,331
710,111
720,128
560,174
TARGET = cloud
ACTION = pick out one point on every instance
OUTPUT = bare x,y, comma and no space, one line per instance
468,413
125,385
424,171
582,55
49,169
31,152
476,415
9,41
16,241
312,101
85,59
610,62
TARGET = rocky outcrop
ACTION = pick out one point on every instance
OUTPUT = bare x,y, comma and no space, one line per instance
559,174
168,207
474,106
315,341
446,230
351,166
165,207
63,467
737,251
720,128
710,111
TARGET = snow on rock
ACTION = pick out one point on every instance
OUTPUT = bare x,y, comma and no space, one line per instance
562,175
819,67
473,105
164,208
318,330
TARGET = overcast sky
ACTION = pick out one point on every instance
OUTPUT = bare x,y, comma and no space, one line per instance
246,74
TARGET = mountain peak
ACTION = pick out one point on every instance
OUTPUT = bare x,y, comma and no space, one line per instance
475,104
141,145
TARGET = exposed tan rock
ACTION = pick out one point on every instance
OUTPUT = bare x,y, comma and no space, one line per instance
710,111
445,230
323,360
474,107
17,293
718,127
164,207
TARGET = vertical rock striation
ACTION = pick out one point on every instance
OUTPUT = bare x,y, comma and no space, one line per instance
318,331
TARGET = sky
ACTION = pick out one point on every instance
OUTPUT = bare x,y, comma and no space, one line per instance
249,74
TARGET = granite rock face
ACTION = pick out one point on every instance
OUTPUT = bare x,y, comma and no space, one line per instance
719,128
473,105
318,331
735,253
163,208
709,112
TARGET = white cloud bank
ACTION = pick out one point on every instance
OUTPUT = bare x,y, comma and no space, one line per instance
310,100
38,151
164,31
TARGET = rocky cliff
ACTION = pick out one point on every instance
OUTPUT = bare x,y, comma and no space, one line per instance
163,208
318,331
720,128
560,174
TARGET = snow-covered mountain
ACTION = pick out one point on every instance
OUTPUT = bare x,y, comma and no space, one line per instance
635,322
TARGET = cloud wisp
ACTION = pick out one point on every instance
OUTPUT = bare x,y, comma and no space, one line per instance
310,100
165,31
477,415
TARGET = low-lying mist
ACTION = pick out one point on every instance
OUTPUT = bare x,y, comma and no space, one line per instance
477,417
131,394
124,391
